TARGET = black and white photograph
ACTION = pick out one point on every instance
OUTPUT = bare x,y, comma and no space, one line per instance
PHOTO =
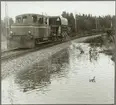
58,52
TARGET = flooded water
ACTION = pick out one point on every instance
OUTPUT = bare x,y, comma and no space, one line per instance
78,74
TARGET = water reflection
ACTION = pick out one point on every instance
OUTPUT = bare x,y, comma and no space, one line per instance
39,75
104,44
93,54
66,77
96,44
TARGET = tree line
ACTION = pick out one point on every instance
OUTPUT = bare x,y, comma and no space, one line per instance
84,22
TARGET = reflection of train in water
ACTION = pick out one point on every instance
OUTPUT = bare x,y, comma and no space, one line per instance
31,29
41,73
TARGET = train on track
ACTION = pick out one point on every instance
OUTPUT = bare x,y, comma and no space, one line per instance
32,29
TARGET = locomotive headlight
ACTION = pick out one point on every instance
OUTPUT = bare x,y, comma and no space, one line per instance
30,35
11,32
29,32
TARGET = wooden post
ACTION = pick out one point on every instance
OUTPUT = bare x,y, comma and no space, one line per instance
75,23
7,19
96,23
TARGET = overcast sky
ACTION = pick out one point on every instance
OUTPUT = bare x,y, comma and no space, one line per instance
56,7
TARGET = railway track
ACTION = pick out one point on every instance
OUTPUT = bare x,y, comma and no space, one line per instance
11,54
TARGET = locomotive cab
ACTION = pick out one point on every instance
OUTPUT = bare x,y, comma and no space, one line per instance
27,30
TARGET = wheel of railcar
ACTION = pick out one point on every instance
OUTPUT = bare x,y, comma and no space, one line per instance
63,36
53,37
66,36
59,38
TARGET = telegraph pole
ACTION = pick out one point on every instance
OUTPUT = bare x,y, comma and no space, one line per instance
96,22
111,24
75,23
7,19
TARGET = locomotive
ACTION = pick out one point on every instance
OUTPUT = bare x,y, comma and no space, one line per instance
32,29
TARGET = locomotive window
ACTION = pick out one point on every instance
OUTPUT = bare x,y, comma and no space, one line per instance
54,21
24,18
58,21
45,20
34,17
18,19
40,20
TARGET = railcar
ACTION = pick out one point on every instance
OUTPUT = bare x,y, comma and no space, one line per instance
32,29
59,28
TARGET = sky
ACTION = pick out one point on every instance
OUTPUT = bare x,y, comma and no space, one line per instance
96,8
